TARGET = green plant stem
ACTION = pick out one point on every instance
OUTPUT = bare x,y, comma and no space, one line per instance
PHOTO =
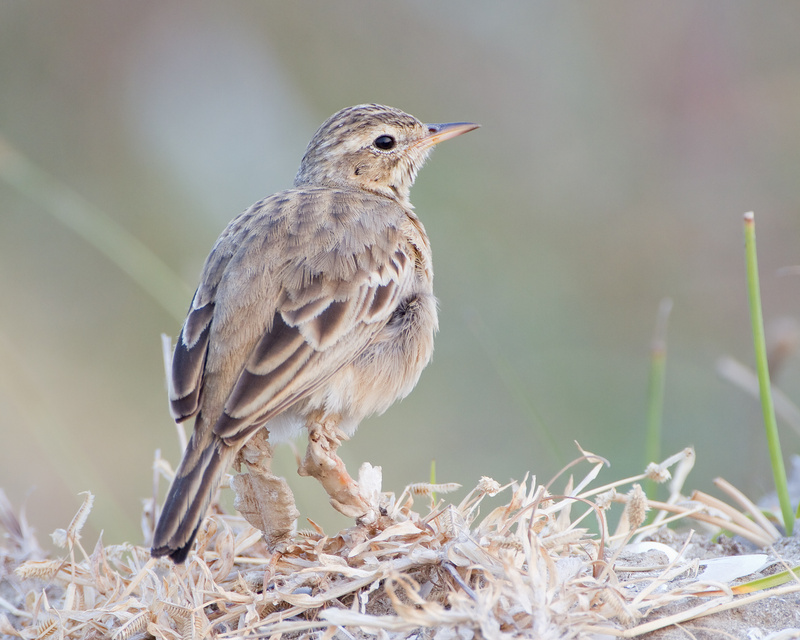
762,368
655,392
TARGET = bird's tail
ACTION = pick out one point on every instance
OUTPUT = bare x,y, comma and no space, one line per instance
196,481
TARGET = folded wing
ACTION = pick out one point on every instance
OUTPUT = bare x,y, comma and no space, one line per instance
344,272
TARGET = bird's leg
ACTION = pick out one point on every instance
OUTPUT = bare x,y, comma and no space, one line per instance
264,499
322,463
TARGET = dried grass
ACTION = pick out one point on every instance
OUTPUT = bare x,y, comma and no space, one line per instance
527,568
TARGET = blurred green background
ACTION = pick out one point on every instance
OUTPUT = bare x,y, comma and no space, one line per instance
621,144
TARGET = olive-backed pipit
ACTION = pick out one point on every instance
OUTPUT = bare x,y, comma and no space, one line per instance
315,309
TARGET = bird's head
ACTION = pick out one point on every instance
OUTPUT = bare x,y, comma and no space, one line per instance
372,147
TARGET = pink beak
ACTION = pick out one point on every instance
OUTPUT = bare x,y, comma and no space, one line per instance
441,132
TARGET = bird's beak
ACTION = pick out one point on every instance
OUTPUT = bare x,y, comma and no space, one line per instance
440,132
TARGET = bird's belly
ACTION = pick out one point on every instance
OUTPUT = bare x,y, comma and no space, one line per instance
385,371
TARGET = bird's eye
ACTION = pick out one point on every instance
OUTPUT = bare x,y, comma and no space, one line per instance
384,143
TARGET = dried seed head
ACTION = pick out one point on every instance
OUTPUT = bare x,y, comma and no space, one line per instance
636,507
488,486
43,569
604,500
426,488
657,473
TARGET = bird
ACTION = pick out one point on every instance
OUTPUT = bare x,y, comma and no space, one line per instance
315,309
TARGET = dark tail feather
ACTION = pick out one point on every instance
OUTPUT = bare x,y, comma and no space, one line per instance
189,496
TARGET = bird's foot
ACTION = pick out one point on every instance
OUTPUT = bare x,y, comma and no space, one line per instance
322,463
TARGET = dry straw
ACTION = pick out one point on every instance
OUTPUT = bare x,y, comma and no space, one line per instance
523,566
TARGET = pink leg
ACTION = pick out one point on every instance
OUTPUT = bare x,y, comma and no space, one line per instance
322,463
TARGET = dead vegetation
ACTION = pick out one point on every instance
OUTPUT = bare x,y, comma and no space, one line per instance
514,561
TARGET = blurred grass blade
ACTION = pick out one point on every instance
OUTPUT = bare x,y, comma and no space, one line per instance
101,231
762,368
655,392
746,379
511,379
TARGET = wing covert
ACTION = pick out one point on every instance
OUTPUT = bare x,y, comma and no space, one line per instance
314,333
294,289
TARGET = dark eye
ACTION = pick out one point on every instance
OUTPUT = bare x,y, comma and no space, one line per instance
384,143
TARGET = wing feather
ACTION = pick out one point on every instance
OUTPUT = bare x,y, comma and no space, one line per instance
321,286
277,359
188,362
